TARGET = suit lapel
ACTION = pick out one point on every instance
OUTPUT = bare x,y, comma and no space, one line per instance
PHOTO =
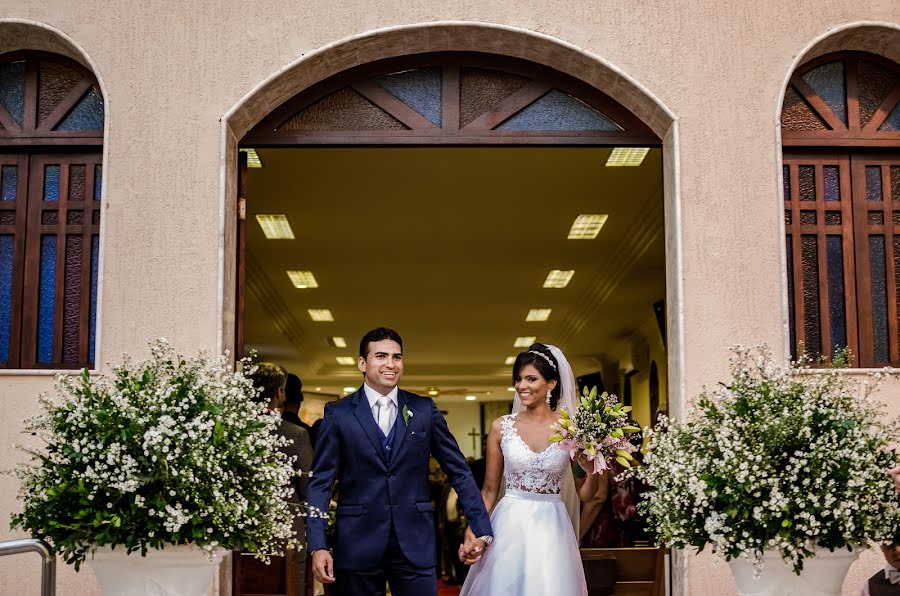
367,421
400,428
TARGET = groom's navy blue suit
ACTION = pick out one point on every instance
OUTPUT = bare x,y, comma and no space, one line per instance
384,513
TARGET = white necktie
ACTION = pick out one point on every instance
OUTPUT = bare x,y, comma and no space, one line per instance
893,576
384,414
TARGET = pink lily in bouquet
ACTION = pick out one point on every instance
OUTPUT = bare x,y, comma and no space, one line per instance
599,428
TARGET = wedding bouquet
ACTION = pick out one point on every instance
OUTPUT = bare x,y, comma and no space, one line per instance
599,428
170,450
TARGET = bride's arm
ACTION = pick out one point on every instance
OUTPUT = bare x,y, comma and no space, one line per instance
588,488
493,473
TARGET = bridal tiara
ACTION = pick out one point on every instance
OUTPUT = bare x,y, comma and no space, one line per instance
544,356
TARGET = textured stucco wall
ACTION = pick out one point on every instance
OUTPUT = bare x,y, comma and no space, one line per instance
172,70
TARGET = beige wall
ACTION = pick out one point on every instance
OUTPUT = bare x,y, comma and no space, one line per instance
172,71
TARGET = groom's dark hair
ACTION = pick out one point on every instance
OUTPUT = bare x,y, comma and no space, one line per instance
378,334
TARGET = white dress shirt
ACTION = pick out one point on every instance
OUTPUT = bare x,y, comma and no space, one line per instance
373,396
888,568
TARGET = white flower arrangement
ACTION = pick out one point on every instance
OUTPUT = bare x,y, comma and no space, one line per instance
783,459
170,450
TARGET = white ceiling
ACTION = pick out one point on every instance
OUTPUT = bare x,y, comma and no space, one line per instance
450,246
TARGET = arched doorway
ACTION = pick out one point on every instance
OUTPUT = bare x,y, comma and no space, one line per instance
540,152
450,99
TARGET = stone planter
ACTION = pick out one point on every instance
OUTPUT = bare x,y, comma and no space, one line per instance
177,570
823,575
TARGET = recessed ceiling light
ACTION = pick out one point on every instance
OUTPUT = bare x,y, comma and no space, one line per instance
275,226
337,342
349,389
627,156
253,160
471,398
346,360
510,388
510,360
303,279
433,391
318,389
524,342
538,314
558,278
320,314
586,227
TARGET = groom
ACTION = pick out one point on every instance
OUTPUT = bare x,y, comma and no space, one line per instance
376,444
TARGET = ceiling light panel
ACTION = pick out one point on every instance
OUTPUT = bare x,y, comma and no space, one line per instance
471,398
346,360
586,227
320,314
253,160
524,342
510,360
275,226
627,156
558,278
303,279
349,389
337,342
538,314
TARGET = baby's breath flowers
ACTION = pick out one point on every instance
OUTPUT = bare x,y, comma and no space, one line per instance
170,450
779,458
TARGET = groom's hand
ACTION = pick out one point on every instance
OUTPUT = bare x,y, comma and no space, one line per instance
323,566
472,549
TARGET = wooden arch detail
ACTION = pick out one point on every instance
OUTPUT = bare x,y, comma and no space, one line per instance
49,99
451,98
849,99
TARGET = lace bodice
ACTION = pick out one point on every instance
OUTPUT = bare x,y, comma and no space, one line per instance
527,470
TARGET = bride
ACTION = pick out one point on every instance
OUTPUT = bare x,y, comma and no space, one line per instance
535,550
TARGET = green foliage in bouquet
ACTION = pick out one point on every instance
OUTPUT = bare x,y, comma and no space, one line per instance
784,459
599,428
170,450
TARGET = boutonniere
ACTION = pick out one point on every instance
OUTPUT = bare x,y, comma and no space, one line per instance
406,414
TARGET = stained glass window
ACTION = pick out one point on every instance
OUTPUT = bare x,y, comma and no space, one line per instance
6,283
420,88
86,115
559,111
828,82
12,89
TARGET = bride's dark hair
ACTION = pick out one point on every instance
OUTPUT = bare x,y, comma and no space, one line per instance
540,357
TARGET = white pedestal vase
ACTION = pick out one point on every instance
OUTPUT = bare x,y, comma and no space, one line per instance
177,570
822,575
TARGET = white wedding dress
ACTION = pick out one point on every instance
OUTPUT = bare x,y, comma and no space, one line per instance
535,550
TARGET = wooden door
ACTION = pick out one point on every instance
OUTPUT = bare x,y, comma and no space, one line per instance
240,262
876,215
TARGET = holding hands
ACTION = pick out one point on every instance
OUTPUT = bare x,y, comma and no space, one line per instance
471,551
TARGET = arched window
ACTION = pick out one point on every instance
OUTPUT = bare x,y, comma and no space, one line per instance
51,137
841,135
457,98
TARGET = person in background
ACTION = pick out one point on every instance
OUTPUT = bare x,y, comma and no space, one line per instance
271,379
887,581
293,399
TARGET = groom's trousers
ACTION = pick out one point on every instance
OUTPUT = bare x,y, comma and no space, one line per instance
404,579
